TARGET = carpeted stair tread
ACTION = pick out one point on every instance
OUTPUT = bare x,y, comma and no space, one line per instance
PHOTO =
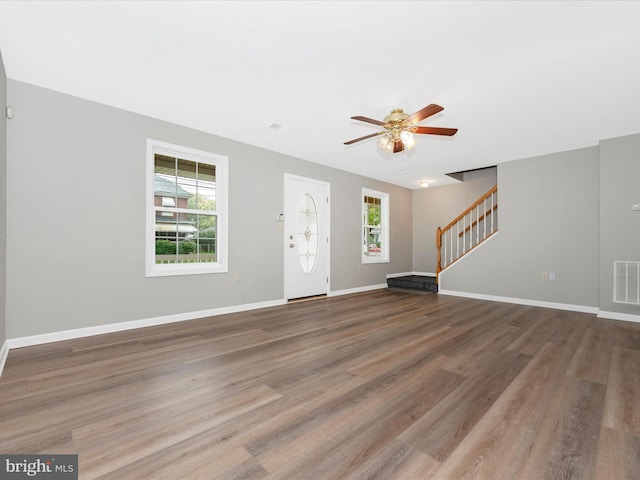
414,282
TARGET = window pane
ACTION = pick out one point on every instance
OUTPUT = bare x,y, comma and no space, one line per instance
206,189
207,238
165,165
372,208
164,186
186,179
373,239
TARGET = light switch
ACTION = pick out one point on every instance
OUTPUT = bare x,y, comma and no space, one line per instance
635,206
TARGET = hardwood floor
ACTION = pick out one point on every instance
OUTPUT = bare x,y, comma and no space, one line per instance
379,385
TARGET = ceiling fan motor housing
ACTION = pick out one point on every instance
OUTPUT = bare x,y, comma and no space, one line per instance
396,123
396,115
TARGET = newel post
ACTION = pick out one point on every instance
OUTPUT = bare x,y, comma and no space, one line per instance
439,248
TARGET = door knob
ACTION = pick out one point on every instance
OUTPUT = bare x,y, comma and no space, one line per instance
291,245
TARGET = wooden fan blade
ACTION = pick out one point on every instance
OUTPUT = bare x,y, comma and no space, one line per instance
424,113
435,131
368,120
398,146
364,138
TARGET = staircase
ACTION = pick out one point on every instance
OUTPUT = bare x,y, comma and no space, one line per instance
418,283
469,229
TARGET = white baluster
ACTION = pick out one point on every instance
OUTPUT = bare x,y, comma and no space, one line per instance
446,255
444,249
484,222
451,244
492,212
464,234
477,224
457,239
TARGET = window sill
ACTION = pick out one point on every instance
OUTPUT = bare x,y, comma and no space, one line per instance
170,270
366,260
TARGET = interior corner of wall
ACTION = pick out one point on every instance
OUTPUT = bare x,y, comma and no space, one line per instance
4,353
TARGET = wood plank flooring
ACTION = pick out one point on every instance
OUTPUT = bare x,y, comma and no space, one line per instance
378,385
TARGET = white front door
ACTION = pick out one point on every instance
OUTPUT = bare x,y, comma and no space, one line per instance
306,237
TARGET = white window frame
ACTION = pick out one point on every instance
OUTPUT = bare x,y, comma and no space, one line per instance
221,163
384,226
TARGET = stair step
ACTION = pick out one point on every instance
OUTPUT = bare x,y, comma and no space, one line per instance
421,283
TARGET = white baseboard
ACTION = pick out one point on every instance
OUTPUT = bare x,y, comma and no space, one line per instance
4,353
337,293
130,325
627,317
523,301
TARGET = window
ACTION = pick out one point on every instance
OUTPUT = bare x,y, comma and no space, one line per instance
375,226
186,210
168,202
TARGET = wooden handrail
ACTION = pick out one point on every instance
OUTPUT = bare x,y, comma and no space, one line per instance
440,232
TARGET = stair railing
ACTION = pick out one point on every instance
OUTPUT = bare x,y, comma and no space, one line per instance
468,230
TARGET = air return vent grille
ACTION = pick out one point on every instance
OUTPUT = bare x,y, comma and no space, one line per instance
626,282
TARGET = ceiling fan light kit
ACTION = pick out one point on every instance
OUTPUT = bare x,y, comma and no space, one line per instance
399,129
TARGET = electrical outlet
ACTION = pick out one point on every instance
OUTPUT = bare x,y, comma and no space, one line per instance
552,275
237,276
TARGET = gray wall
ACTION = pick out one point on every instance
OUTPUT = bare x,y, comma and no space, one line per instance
435,207
548,211
619,225
3,199
76,219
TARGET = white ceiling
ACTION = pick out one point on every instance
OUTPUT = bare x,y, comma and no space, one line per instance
518,79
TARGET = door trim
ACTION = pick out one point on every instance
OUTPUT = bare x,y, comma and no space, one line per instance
327,185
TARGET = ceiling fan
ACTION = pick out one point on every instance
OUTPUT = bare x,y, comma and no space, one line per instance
400,127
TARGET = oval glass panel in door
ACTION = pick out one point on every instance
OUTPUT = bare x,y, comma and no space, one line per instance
307,233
